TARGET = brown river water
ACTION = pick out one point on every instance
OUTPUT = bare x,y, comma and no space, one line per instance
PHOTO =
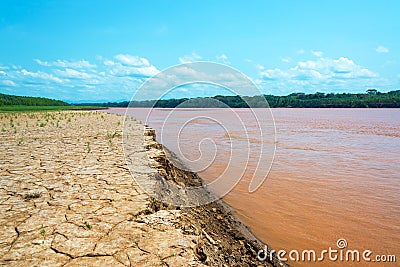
335,174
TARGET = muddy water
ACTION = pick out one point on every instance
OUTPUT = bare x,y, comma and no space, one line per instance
336,174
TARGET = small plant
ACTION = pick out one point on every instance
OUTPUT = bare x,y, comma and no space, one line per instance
42,124
3,129
20,141
110,136
155,205
69,120
43,231
58,124
88,147
11,123
88,226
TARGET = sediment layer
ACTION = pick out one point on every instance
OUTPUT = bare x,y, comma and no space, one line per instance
67,198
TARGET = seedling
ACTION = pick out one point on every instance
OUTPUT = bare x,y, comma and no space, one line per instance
88,147
88,226
43,231
20,141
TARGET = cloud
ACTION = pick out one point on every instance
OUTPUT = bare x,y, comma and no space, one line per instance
322,73
130,66
222,58
8,83
317,53
342,67
106,79
286,59
300,51
66,64
382,49
41,75
189,58
120,70
259,67
132,60
118,77
274,74
72,74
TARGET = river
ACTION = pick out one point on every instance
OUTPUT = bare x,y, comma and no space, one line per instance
335,174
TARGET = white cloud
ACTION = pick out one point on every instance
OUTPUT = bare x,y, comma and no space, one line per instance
105,79
286,59
341,67
274,74
321,73
66,64
118,69
130,66
132,60
317,53
300,51
8,83
71,73
117,78
382,49
41,75
189,58
259,67
222,58
109,62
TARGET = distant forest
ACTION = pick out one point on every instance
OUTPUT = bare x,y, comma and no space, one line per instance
371,99
12,100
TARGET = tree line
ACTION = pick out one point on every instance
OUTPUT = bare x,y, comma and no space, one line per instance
9,100
371,99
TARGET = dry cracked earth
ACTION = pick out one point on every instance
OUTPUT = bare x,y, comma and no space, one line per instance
68,199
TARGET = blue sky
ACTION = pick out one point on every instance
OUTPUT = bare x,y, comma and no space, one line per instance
104,50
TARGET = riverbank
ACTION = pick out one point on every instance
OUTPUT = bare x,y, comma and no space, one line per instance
67,199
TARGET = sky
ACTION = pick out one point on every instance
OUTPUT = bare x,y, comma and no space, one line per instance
104,50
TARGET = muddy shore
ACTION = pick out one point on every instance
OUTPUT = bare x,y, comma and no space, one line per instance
67,198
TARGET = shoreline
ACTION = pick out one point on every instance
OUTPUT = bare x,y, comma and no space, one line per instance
230,235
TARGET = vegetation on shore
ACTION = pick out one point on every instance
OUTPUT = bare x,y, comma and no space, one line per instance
370,99
13,103
12,100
